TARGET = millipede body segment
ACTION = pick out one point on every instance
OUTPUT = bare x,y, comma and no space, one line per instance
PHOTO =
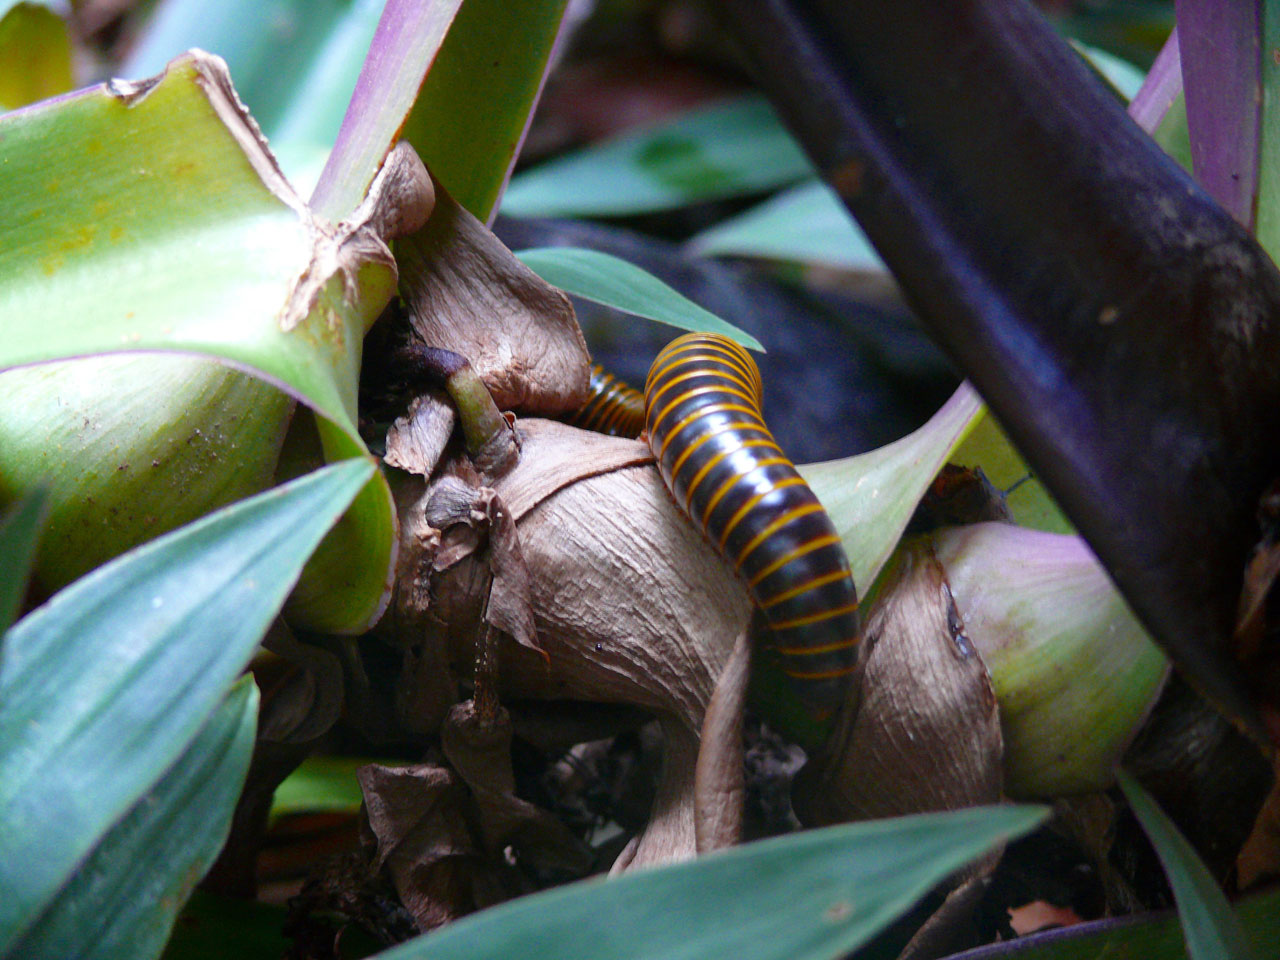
612,407
722,466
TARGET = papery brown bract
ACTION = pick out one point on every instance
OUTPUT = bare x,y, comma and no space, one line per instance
468,293
629,603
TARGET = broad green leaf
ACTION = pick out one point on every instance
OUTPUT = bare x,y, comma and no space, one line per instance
729,149
320,784
20,528
124,898
807,223
181,240
474,107
809,896
1156,937
187,239
616,283
1211,928
132,446
871,497
102,688
211,927
35,54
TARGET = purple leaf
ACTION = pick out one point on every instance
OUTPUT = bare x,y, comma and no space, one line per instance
1160,89
1222,76
407,40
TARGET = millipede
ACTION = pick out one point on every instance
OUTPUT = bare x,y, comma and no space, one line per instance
702,410
612,407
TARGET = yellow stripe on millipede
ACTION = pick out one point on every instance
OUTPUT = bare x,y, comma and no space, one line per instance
689,418
735,351
749,395
814,617
743,510
820,674
823,648
778,523
719,458
727,484
715,432
808,547
812,584
687,350
696,392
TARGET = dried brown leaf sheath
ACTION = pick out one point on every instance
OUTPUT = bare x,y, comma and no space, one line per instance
628,602
467,293
927,734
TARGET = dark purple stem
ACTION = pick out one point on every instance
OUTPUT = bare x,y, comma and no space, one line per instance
1122,326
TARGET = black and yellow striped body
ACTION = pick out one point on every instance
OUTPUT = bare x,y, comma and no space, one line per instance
702,414
612,407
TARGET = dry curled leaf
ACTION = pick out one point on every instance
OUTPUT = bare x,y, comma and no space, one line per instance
415,827
720,777
416,441
479,749
467,293
927,734
302,703
629,603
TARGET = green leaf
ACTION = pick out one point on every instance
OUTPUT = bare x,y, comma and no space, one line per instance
320,784
187,239
808,896
102,688
35,55
474,107
1268,143
871,497
1211,928
462,98
19,535
1173,134
132,446
729,149
180,241
317,97
807,223
616,283
124,899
